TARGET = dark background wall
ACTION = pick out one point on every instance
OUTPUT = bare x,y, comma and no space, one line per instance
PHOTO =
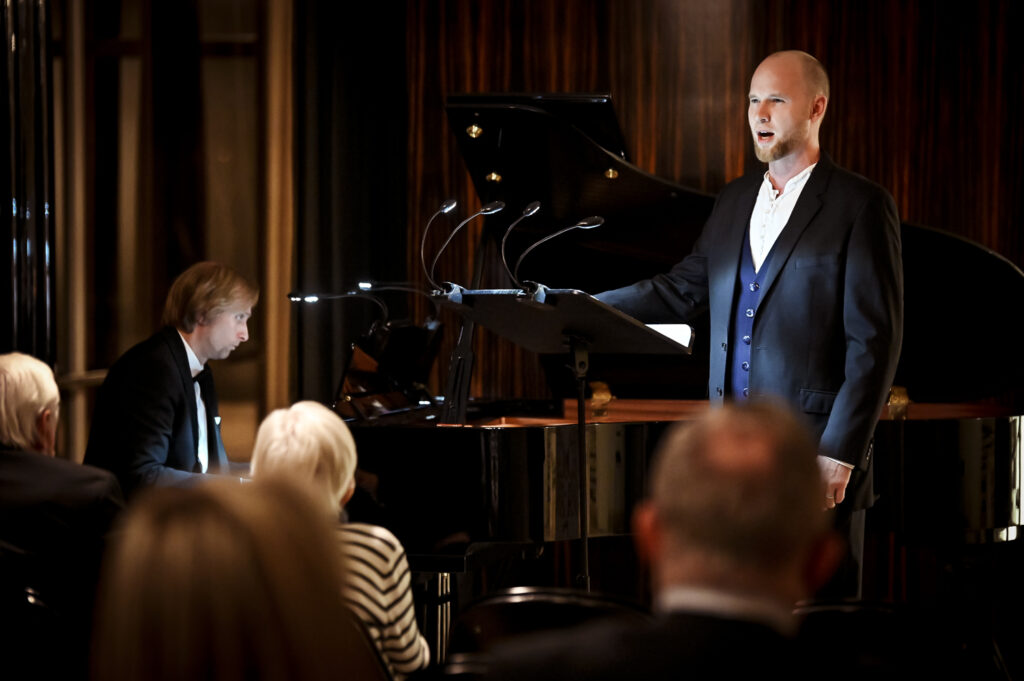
923,101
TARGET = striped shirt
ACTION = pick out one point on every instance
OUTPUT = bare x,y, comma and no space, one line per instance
377,589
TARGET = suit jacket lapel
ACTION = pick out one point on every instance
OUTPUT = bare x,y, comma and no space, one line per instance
725,260
807,206
174,343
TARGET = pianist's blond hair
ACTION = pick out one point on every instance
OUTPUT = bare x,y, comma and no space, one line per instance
311,443
202,292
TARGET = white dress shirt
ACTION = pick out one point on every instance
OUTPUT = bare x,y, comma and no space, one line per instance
194,365
771,213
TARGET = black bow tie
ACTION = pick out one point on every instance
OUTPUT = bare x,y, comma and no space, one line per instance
205,380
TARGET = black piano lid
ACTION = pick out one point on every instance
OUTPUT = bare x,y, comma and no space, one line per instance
558,149
962,320
590,113
962,301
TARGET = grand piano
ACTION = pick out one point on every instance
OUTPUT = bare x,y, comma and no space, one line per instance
948,447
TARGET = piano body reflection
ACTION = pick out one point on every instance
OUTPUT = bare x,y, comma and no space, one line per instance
948,460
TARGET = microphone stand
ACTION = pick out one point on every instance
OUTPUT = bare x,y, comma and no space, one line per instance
460,366
312,298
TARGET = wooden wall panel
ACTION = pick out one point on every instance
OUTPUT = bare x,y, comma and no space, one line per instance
922,102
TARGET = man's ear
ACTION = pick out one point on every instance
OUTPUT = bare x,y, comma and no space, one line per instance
647,532
46,432
818,106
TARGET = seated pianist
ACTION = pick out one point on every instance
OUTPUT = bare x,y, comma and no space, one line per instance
156,420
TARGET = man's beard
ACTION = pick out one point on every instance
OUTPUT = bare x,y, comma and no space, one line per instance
783,147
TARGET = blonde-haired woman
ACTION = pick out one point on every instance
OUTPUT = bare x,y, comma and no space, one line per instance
310,443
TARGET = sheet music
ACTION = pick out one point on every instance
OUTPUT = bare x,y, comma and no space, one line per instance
680,333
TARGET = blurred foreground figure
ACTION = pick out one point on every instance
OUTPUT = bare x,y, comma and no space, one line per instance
225,582
54,520
312,445
734,535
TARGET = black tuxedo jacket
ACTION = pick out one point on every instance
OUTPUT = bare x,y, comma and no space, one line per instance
144,425
675,646
55,518
829,324
53,507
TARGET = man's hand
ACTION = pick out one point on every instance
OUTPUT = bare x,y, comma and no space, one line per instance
836,477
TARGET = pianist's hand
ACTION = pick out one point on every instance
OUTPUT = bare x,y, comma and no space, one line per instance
836,477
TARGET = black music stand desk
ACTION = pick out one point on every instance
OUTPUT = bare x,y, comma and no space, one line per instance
556,321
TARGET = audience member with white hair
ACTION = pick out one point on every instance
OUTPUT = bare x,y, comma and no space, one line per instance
54,519
311,443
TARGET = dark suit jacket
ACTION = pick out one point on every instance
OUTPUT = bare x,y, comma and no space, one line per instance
829,324
676,646
144,425
55,517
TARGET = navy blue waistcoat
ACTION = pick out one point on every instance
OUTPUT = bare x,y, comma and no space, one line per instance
748,296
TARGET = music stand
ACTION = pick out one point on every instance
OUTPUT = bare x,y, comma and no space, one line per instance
553,321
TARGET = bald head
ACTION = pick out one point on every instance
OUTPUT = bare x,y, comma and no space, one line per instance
787,102
740,485
812,72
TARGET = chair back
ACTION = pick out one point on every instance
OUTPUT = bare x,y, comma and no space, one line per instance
888,641
524,610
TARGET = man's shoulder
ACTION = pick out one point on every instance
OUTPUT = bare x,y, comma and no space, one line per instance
60,479
659,648
154,353
847,182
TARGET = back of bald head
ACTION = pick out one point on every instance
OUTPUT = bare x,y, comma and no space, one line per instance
741,484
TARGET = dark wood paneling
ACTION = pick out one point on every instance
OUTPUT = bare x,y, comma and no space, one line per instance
922,99
925,101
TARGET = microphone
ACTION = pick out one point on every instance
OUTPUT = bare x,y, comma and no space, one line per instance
404,286
446,207
488,209
527,212
298,297
586,223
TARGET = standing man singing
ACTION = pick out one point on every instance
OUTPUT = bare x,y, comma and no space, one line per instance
800,269
156,420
